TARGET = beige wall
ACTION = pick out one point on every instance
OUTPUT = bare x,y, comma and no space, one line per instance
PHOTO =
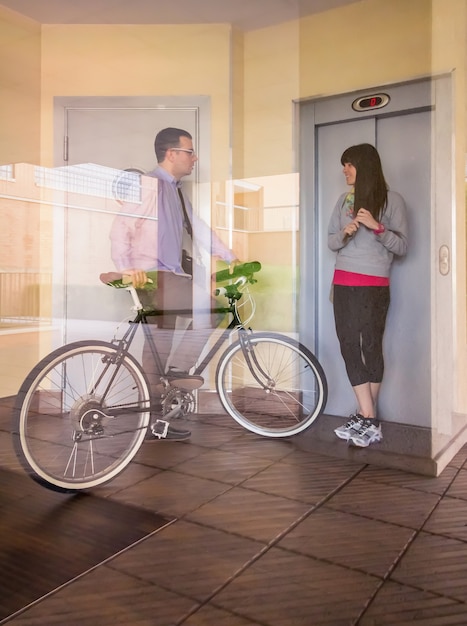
139,60
20,41
364,44
238,104
272,65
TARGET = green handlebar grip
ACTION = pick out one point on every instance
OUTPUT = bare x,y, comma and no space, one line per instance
245,269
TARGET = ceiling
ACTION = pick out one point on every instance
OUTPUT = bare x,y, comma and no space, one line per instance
242,14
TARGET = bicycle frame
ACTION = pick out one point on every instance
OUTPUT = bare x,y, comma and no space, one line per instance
142,316
232,293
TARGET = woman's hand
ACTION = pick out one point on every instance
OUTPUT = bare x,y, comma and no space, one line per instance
351,228
366,218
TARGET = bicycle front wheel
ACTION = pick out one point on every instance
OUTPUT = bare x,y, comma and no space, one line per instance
271,384
80,416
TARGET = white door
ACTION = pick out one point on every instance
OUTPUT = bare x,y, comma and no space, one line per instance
402,133
112,134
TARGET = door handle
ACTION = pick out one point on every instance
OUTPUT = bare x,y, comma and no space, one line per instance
444,260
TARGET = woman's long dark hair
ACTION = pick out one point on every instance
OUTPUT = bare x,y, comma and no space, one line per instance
371,190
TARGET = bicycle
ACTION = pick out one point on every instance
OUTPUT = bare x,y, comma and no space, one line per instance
83,411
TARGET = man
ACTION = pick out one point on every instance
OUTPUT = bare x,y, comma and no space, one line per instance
169,246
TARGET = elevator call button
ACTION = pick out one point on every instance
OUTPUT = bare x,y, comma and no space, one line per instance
366,103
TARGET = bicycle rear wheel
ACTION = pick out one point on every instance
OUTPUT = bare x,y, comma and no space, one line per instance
271,384
80,416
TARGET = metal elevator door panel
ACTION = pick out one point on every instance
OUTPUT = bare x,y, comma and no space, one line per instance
403,140
404,143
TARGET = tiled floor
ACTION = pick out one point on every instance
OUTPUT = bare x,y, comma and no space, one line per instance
269,535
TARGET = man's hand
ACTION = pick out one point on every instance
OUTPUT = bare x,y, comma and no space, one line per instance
138,277
233,264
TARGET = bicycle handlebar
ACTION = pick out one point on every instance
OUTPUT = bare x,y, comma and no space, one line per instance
122,281
243,274
244,269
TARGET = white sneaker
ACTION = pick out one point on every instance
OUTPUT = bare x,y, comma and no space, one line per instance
349,428
369,432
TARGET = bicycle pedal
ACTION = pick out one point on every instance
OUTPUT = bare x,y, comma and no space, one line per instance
159,428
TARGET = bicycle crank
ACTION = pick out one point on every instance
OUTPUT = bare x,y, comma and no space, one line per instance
177,402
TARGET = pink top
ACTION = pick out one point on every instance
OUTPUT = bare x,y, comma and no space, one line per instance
352,279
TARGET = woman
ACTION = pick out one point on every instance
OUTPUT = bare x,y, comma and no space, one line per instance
367,228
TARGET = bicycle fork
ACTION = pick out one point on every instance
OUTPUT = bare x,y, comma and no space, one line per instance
257,371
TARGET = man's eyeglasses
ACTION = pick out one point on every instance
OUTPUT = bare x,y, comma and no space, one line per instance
191,152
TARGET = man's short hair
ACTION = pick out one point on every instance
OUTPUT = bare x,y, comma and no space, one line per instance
168,138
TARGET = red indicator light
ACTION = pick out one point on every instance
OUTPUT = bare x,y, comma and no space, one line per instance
378,101
370,103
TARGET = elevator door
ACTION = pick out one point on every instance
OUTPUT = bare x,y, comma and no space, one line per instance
402,136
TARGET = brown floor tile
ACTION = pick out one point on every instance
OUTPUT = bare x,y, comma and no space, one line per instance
219,419
210,435
48,539
398,478
15,486
224,466
300,482
387,503
285,589
460,459
449,518
261,447
132,475
105,597
437,564
172,493
349,540
398,605
7,454
166,454
458,489
320,462
250,514
211,616
188,559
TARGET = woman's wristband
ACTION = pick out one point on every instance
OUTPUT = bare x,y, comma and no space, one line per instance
380,230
